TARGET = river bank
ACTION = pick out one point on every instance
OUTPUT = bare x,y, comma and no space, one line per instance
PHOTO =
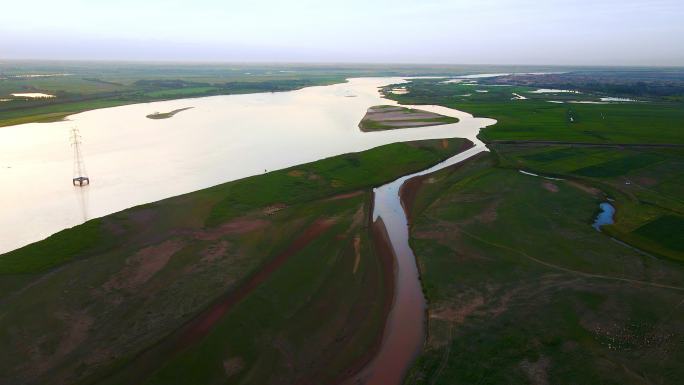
205,256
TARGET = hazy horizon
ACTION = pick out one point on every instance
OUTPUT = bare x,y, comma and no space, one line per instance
438,32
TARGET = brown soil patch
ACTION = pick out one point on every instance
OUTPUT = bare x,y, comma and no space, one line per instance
79,324
537,372
357,221
409,190
550,187
411,123
587,189
457,314
113,228
646,181
215,251
272,209
77,328
439,230
408,193
202,324
344,196
502,305
233,366
398,117
141,216
357,252
143,265
382,247
286,351
236,226
488,215
296,173
398,114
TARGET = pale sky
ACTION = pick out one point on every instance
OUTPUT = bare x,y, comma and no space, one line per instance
580,32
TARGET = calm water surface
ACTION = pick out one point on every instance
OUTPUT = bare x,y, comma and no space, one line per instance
605,217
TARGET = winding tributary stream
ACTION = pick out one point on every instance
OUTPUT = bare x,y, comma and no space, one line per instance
405,327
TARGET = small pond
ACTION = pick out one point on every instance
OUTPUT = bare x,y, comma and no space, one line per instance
605,217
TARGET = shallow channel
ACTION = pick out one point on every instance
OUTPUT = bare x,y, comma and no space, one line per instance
404,333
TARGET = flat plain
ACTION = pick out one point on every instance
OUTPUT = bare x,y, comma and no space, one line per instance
289,268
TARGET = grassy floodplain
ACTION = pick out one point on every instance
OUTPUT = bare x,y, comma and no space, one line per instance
275,277
521,288
633,152
645,184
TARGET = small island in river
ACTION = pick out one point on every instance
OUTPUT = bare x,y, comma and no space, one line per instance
380,118
166,115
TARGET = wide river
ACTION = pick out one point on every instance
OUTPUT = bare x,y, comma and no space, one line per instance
133,160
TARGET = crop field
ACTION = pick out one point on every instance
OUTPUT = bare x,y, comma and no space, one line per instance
223,285
521,288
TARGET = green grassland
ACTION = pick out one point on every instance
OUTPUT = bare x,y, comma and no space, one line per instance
273,278
521,289
646,185
538,136
648,121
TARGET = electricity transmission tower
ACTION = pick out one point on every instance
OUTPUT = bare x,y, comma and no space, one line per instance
80,175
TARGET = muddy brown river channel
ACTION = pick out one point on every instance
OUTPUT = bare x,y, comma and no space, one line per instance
132,160
405,327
